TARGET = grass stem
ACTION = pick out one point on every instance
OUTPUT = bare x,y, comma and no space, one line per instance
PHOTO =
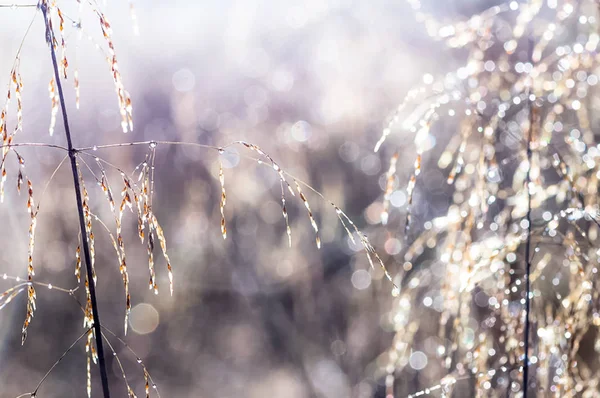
84,241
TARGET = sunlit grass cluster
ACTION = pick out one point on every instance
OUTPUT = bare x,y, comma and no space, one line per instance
508,276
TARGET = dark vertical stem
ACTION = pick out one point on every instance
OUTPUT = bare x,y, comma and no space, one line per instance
528,242
527,267
84,241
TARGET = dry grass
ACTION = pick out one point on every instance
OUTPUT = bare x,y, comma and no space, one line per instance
498,296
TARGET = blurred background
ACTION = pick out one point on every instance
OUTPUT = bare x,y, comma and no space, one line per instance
310,82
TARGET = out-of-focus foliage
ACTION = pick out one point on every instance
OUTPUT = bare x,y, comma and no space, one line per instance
513,252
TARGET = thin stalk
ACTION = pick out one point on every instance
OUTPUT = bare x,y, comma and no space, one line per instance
84,241
34,393
527,269
528,243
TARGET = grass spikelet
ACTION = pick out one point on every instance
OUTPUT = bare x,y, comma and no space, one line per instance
3,173
125,108
53,93
123,269
144,208
3,130
78,263
107,191
389,188
288,230
19,180
88,318
411,188
163,244
119,247
310,214
130,393
6,140
50,38
339,214
88,225
144,197
92,346
223,200
31,295
126,201
89,364
119,242
152,283
141,217
3,178
147,383
396,116
460,161
91,239
152,170
18,82
137,199
64,64
20,158
77,87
